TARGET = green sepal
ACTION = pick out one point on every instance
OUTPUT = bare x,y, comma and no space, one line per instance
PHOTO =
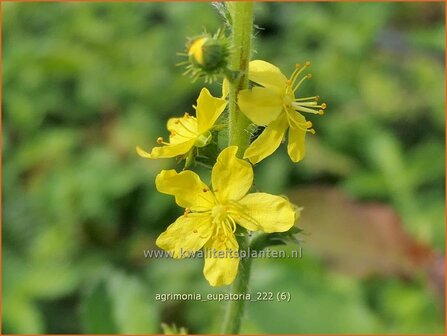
203,156
262,240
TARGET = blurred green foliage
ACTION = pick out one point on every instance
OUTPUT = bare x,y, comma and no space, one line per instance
84,83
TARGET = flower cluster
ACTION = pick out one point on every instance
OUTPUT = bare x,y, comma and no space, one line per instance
215,214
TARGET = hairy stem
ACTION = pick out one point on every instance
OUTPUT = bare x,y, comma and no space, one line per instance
235,308
242,26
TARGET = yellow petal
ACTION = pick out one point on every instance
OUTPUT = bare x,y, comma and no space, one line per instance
209,108
268,141
186,235
260,105
265,212
295,147
141,152
221,262
167,151
189,191
232,177
267,75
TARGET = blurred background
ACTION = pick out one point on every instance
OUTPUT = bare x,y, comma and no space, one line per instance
84,83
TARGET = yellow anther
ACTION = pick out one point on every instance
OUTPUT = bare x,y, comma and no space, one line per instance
288,82
312,131
323,106
320,112
308,124
297,65
186,115
160,140
205,190
309,75
187,212
307,63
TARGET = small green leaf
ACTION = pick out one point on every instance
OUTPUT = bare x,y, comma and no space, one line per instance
97,313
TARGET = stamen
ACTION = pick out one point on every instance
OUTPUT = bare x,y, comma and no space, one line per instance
298,70
233,223
301,82
160,141
224,228
314,98
302,107
311,104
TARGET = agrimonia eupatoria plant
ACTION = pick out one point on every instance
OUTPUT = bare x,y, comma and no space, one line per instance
224,217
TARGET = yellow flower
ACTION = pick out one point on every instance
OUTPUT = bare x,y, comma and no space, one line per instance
274,105
188,131
211,215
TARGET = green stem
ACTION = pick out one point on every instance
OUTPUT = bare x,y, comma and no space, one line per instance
242,26
235,308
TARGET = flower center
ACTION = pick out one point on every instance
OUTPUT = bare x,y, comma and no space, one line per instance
184,129
224,224
219,213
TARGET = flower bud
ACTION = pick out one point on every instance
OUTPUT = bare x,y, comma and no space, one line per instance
207,56
208,53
